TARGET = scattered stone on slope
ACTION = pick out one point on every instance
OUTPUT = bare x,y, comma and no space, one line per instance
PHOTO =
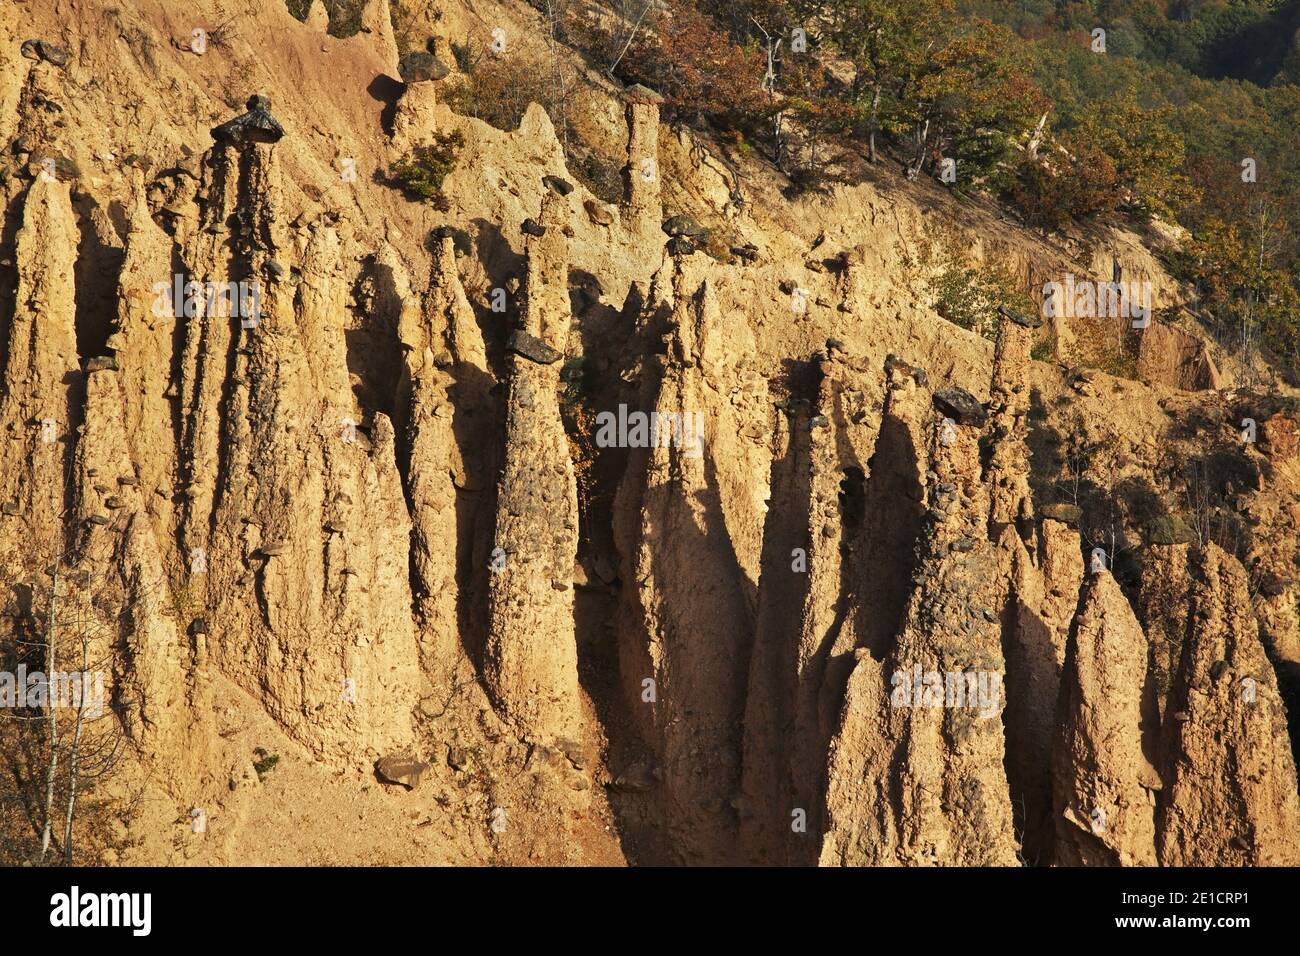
561,186
1020,319
255,126
46,163
599,213
679,246
532,348
419,66
401,769
683,226
960,405
44,50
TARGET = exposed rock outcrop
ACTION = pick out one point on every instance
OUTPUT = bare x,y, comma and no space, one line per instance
305,533
1036,623
1229,774
41,407
448,378
916,771
1104,781
643,209
531,658
325,522
688,619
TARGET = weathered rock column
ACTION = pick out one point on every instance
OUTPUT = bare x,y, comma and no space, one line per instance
769,701
531,660
307,536
443,346
1230,777
1104,784
127,600
916,771
420,70
688,618
641,176
842,611
1035,627
39,409
142,341
1010,498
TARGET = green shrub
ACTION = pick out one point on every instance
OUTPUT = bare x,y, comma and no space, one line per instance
421,172
573,380
497,91
601,175
344,15
267,762
969,294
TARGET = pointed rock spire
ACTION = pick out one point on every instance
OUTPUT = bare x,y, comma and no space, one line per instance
1229,773
1104,782
531,659
916,771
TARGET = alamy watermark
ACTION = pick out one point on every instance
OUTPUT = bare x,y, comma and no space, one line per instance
75,908
79,690
1086,299
180,299
974,690
624,429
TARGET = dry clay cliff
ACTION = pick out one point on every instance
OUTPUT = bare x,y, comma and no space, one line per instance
374,532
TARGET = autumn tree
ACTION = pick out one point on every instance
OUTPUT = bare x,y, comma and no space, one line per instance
887,43
969,101
701,72
1069,180
1245,285
1148,154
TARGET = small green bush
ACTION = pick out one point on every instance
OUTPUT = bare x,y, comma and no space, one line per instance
344,15
266,763
969,295
421,172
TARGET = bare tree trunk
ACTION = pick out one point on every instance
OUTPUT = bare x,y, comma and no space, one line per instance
1036,138
769,86
630,37
560,96
76,747
874,121
72,791
922,138
52,712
